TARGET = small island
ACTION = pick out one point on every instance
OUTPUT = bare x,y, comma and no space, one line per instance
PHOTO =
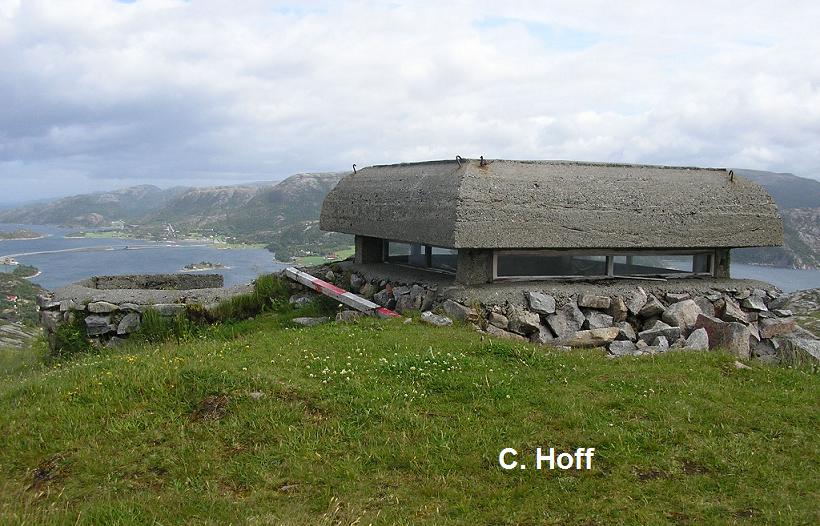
20,235
202,265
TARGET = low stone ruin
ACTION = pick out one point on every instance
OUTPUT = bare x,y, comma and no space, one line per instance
111,307
746,318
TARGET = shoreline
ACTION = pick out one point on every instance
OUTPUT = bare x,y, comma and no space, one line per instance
42,236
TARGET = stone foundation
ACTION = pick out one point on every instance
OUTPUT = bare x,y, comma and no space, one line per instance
743,317
111,307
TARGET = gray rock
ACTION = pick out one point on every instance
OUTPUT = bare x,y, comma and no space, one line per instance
367,290
102,307
592,301
591,338
705,305
523,321
743,294
783,313
115,342
657,325
771,327
729,336
434,319
95,325
457,311
129,323
381,297
799,351
754,303
300,300
256,395
46,302
698,340
617,309
653,307
310,322
675,297
348,315
501,333
405,303
497,320
754,332
50,320
330,276
640,344
741,365
626,331
597,320
401,290
540,302
567,320
713,296
428,299
759,349
682,314
356,282
67,305
131,307
733,312
661,344
622,348
542,335
636,301
670,333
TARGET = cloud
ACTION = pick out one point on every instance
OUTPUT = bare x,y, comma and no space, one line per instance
99,92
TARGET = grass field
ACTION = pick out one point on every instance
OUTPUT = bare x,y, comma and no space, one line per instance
379,422
306,261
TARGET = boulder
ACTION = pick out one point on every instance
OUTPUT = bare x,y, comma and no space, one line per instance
497,320
798,351
381,297
597,320
705,305
592,301
330,276
102,307
771,327
46,302
636,301
617,309
540,302
592,338
653,307
95,325
672,297
622,348
698,340
670,333
743,294
130,307
754,332
713,296
457,311
434,319
523,321
762,350
310,322
754,303
661,344
428,299
67,305
129,323
567,320
626,331
356,282
405,303
783,313
50,320
732,311
501,333
367,290
730,336
682,314
542,335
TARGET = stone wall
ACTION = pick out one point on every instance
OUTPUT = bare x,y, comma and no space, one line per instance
111,307
746,321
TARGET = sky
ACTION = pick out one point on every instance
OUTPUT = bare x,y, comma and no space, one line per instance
103,94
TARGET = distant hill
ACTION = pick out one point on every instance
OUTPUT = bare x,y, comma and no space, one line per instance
798,200
207,206
96,209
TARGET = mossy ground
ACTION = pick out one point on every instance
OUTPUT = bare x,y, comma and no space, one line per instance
260,422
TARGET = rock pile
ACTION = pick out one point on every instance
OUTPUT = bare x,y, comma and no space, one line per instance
746,322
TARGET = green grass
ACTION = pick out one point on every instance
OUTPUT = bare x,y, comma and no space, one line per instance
380,422
306,261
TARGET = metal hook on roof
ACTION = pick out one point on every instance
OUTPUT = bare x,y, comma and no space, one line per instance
483,162
354,168
731,175
458,160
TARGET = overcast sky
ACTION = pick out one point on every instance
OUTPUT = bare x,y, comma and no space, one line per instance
99,94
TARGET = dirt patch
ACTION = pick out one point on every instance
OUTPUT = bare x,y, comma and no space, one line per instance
693,468
746,514
211,408
47,471
651,474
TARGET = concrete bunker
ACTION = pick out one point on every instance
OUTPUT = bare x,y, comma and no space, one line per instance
490,221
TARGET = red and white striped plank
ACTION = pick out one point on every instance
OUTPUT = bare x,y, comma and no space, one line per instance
341,295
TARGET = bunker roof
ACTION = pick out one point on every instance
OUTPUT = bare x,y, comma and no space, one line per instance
553,204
